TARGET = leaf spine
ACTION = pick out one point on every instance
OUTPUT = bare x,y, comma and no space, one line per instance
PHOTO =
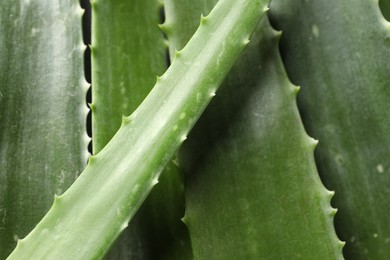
57,199
278,34
330,194
126,120
183,138
154,182
85,85
313,142
296,89
164,27
80,11
203,19
158,79
246,41
91,159
341,243
184,220
124,226
177,54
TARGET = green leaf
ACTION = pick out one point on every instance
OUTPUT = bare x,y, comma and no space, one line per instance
127,53
125,62
339,52
85,220
43,141
251,185
181,21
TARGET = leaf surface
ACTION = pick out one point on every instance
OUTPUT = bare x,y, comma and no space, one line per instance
251,184
86,219
43,141
128,51
339,52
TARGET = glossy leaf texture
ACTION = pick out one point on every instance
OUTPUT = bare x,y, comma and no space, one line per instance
339,52
98,206
128,51
43,141
251,185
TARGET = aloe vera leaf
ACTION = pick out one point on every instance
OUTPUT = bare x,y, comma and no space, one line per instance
127,53
122,77
181,21
251,183
43,141
339,53
86,219
385,7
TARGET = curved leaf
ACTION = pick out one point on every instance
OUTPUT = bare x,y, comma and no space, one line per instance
125,62
251,183
338,51
43,141
86,219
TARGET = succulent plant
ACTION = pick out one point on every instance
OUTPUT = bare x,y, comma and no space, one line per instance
247,182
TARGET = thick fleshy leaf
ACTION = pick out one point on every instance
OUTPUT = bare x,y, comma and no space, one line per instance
86,219
43,141
251,183
339,52
122,77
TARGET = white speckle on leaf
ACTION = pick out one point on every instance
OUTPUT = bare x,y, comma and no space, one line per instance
221,53
61,178
198,97
34,31
375,235
182,115
136,188
45,232
4,215
379,168
339,159
122,88
315,30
